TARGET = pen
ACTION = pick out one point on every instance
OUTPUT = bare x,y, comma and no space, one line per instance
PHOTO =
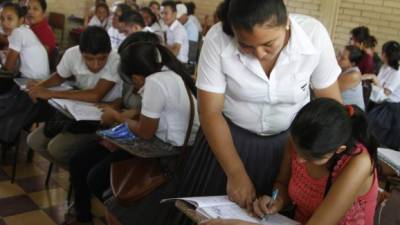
273,199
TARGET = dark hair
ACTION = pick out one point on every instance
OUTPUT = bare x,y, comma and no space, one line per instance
140,36
103,5
43,4
323,125
360,34
151,14
94,40
17,9
170,4
124,8
245,15
132,17
355,54
154,3
392,53
191,8
146,58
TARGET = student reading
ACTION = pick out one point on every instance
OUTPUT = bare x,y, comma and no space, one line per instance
329,171
255,73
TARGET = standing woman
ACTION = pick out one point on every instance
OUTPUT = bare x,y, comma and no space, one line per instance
255,73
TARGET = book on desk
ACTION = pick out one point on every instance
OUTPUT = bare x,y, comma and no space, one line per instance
212,207
77,110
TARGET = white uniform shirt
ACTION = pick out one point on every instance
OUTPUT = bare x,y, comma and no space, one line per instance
164,97
116,37
176,34
253,101
196,21
389,78
72,64
33,56
95,21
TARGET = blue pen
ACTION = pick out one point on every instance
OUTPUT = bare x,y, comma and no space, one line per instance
273,198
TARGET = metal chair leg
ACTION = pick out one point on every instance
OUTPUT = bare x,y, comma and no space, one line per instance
48,175
14,167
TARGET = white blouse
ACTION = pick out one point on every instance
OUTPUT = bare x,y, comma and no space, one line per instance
389,78
261,104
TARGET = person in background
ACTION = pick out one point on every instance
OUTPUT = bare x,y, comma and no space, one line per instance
40,26
191,30
191,9
116,36
94,65
385,97
361,38
177,38
101,16
350,79
156,9
329,171
132,22
151,21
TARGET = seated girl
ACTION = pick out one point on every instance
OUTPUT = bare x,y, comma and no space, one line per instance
386,93
24,46
350,79
329,168
37,20
101,17
93,65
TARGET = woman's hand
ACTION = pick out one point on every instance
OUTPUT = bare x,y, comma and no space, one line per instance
109,116
263,206
225,222
241,190
371,77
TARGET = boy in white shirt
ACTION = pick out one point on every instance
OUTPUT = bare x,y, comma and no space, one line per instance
177,39
94,66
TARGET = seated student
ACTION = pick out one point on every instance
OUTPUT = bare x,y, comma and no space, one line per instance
23,46
101,16
191,30
386,93
150,19
116,36
94,66
132,22
90,167
177,39
350,78
155,8
328,170
191,8
40,26
164,116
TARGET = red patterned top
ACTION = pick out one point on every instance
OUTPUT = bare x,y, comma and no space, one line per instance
307,193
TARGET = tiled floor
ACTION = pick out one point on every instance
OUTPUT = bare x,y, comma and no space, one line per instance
28,202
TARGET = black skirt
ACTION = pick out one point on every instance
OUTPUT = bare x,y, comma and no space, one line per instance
203,176
384,121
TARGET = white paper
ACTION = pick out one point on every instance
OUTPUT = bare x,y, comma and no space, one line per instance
78,109
22,82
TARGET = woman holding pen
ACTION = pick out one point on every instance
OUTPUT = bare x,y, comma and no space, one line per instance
329,170
255,73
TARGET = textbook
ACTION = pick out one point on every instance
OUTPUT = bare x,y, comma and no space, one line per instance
213,207
76,109
391,158
22,82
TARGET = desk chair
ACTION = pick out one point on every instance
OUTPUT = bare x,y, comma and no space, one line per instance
57,22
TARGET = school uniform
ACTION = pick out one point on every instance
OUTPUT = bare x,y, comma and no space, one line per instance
62,146
176,34
95,21
196,21
384,116
258,108
46,35
353,95
34,62
116,37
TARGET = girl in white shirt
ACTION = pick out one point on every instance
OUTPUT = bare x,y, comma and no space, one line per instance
101,18
23,46
385,97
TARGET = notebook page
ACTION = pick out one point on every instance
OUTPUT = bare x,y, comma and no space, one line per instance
84,110
235,212
202,202
390,157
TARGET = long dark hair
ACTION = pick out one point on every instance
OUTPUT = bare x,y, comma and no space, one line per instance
323,125
145,59
392,53
245,15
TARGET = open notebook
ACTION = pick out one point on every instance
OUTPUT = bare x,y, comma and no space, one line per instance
213,207
391,158
76,109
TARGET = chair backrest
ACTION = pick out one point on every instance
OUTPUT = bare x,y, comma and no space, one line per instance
57,20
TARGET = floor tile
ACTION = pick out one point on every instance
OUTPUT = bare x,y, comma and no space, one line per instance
62,179
24,170
37,217
35,184
57,213
48,198
7,189
16,205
